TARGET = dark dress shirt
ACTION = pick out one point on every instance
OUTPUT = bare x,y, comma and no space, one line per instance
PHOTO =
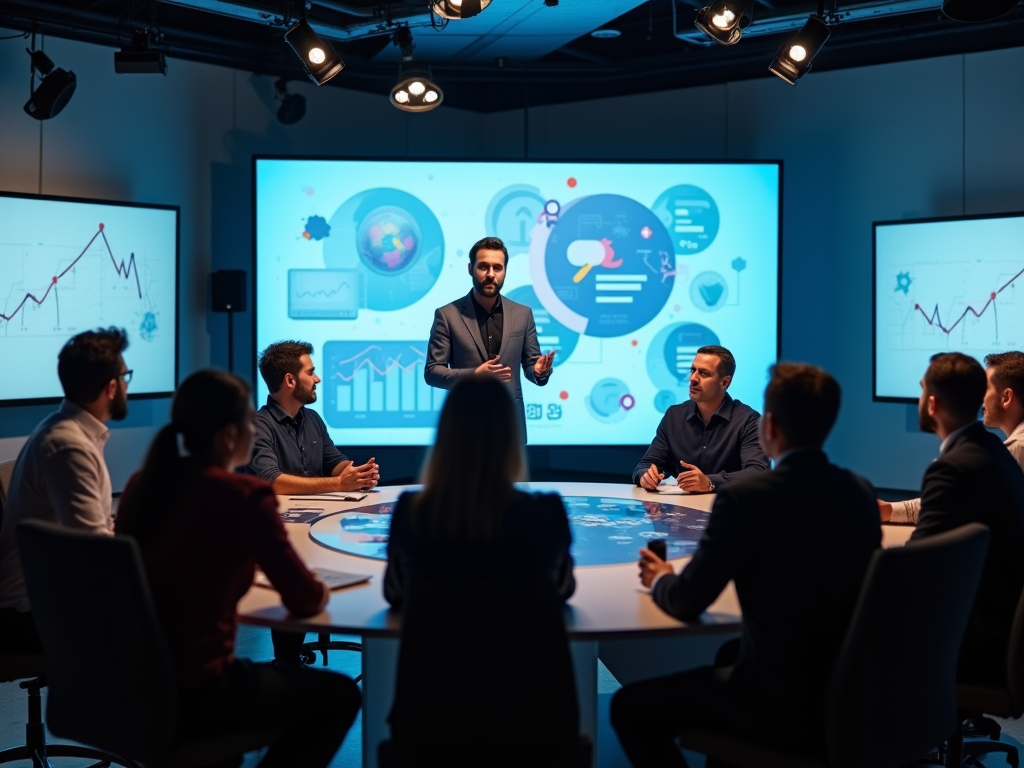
491,325
977,480
299,446
724,449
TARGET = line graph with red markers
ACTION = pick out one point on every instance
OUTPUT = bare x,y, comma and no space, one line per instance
69,266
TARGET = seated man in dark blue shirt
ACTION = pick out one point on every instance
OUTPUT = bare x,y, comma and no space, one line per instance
709,440
293,451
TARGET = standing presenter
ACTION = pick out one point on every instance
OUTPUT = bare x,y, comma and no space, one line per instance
483,333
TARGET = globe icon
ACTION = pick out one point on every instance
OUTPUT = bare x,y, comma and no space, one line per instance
388,240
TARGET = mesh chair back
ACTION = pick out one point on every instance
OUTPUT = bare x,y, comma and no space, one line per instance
484,675
109,670
892,695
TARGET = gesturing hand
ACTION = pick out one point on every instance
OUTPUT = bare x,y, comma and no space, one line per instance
692,479
494,368
361,478
651,567
651,478
543,365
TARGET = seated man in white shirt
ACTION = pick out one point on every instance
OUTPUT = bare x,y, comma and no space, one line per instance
1003,409
60,475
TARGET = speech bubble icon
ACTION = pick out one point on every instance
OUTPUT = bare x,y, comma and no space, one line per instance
681,347
584,254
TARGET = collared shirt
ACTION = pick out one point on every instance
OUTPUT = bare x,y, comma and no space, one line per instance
61,477
491,325
287,446
1014,443
725,448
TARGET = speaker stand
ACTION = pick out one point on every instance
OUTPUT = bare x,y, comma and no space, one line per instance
231,340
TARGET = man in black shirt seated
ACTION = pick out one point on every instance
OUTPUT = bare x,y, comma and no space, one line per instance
796,541
711,439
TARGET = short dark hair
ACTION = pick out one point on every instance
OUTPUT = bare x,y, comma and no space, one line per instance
89,361
727,363
487,244
280,358
958,382
1007,371
804,402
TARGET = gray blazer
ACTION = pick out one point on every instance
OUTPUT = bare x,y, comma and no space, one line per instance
456,348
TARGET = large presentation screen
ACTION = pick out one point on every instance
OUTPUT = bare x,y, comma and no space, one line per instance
628,268
943,285
71,265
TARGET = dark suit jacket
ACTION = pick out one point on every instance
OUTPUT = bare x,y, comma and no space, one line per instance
796,541
977,480
533,544
456,348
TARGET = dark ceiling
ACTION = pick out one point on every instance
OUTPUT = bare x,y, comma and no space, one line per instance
516,51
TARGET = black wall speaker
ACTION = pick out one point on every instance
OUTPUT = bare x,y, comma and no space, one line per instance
228,290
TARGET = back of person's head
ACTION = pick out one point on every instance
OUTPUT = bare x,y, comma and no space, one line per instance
204,403
89,361
487,244
727,363
1007,371
280,359
958,382
804,402
477,456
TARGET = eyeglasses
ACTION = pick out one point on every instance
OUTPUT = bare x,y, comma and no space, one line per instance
127,375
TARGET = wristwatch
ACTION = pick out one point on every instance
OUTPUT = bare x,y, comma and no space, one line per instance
711,485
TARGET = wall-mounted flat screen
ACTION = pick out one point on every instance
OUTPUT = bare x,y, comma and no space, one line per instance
628,268
71,265
944,285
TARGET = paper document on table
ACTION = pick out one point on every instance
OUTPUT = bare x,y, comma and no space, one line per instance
330,496
333,579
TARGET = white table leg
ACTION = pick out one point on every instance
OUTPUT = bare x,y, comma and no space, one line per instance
380,664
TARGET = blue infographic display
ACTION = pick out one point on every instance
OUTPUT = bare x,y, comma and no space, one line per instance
628,268
68,266
946,285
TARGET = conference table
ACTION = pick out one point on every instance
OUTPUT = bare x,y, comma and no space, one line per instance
610,614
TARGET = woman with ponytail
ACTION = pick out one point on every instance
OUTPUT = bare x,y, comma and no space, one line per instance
202,530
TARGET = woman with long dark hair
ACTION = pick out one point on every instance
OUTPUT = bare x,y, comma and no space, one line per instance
202,530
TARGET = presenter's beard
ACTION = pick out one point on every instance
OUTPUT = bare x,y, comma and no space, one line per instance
306,396
924,421
119,408
479,286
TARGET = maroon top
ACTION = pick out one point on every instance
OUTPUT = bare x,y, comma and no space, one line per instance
204,558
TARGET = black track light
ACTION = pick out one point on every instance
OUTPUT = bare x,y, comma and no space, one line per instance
793,60
54,93
724,20
317,56
977,10
458,9
291,106
416,91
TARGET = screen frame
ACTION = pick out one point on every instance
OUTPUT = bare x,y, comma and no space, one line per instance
510,161
177,287
875,397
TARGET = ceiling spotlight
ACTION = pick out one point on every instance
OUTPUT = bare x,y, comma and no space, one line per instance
458,9
977,10
724,20
138,59
54,93
402,40
292,106
317,56
416,91
793,60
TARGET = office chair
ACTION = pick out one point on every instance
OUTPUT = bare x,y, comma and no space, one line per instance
110,674
896,659
324,644
1005,700
485,679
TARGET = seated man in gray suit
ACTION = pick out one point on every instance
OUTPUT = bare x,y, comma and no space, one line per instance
483,333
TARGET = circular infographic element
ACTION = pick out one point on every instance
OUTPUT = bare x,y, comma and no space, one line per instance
604,531
551,334
708,291
608,399
511,215
594,269
691,215
394,242
388,240
669,358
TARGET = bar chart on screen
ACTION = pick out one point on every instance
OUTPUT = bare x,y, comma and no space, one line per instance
378,382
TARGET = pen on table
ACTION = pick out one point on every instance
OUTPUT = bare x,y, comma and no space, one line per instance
305,509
